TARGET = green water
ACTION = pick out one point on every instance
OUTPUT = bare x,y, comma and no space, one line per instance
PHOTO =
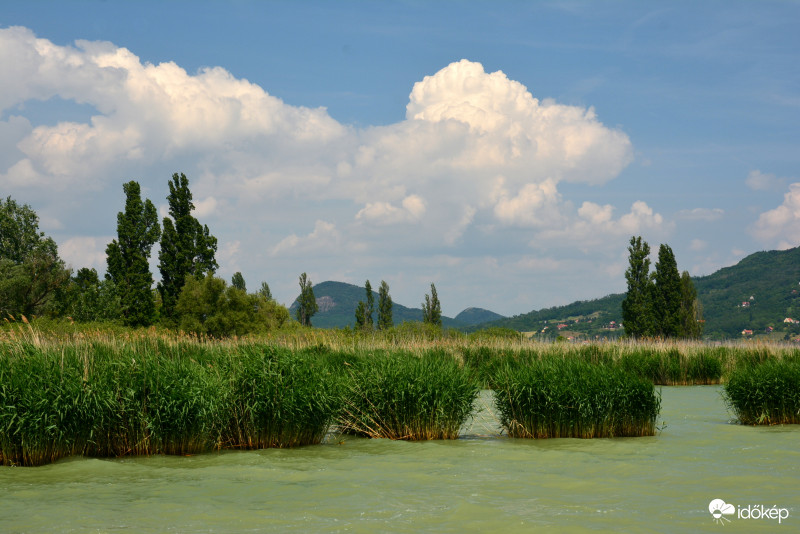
480,483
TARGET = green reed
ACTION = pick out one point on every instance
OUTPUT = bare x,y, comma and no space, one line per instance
570,397
765,393
405,396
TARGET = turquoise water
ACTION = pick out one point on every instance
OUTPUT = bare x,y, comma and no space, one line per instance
480,483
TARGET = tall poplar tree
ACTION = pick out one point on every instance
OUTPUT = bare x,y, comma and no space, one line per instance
666,303
187,247
637,314
307,302
432,309
385,320
364,309
128,255
691,310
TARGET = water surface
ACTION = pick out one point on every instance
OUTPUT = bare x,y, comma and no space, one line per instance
481,482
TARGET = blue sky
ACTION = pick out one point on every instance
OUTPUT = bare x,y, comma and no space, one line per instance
504,151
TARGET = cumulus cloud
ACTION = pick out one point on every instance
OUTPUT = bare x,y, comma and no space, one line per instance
781,226
85,252
759,181
477,158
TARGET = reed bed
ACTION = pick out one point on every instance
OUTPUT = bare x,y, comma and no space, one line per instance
408,397
152,397
560,398
765,393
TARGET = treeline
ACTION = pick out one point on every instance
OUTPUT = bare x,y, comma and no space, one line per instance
34,280
662,303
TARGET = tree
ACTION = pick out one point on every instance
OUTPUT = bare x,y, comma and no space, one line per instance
636,308
187,248
432,309
307,303
208,306
87,298
128,255
237,281
666,302
384,307
691,309
31,273
265,292
364,310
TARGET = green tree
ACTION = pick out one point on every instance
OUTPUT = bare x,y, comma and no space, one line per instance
31,273
666,302
187,248
208,306
265,292
237,281
364,310
691,309
637,312
307,302
384,307
128,255
87,298
432,309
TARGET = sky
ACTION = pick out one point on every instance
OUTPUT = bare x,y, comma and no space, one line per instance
504,151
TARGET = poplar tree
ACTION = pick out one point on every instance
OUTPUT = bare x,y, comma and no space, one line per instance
691,310
237,281
187,248
637,312
307,303
128,256
432,309
666,304
384,307
364,309
265,292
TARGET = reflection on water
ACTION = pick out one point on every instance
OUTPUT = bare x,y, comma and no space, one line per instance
483,482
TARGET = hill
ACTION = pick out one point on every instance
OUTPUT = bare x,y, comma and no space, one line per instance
474,316
337,303
771,278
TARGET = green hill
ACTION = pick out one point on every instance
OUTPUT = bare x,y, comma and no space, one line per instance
771,278
337,303
474,316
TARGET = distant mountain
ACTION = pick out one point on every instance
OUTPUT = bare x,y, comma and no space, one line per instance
337,303
475,316
771,278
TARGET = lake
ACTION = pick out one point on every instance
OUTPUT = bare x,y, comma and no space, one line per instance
482,482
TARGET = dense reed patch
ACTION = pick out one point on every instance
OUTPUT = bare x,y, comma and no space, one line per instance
559,398
151,397
404,396
766,393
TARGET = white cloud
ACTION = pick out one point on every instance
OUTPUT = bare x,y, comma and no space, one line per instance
534,205
384,213
781,226
85,252
701,214
759,181
325,238
697,245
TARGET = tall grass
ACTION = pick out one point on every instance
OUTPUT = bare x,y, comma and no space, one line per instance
150,397
557,398
409,397
765,393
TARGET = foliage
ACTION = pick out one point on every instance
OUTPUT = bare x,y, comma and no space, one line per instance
432,309
667,296
767,393
187,248
31,273
385,320
86,298
364,310
637,312
552,398
264,291
128,257
207,306
237,281
403,396
307,303
691,312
